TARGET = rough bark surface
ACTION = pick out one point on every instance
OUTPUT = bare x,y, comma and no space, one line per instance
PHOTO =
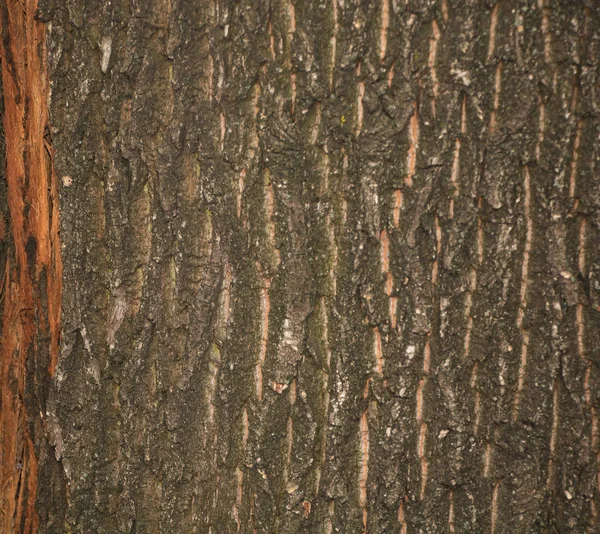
329,266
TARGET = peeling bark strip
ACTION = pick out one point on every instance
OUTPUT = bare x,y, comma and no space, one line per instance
31,288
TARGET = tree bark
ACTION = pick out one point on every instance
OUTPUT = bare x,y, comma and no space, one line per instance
328,266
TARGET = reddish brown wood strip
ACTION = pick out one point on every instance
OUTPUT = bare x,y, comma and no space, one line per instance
32,283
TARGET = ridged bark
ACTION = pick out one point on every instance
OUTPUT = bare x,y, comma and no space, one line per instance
328,266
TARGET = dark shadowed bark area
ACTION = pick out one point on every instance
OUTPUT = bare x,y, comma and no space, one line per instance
328,266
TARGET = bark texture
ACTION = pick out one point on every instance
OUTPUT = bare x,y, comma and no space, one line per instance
329,266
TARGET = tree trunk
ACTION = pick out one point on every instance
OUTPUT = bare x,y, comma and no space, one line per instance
328,266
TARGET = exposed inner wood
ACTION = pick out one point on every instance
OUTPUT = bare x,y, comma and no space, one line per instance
31,288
